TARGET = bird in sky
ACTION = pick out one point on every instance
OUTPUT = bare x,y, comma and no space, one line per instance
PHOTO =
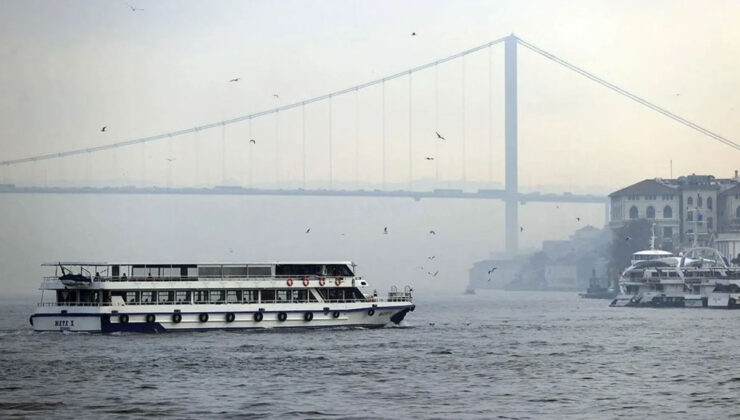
169,159
433,274
419,267
578,219
439,136
521,228
492,270
133,9
308,230
432,232
236,79
102,130
413,33
253,141
628,238
431,258
429,158
276,95
385,230
432,324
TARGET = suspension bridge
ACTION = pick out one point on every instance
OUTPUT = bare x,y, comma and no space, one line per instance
306,160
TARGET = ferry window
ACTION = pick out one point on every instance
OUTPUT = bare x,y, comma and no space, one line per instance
249,296
139,271
233,296
209,271
132,297
268,295
650,212
709,203
259,271
335,294
283,296
633,212
298,270
667,212
300,295
165,296
217,296
340,270
182,296
200,296
147,297
235,271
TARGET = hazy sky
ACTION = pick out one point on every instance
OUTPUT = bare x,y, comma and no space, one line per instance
70,67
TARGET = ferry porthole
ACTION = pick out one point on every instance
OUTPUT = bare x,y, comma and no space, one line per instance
150,318
289,282
305,281
258,316
282,316
176,318
123,319
308,316
371,312
338,281
203,317
230,317
322,281
335,314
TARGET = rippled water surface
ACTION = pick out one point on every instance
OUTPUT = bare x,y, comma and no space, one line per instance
492,355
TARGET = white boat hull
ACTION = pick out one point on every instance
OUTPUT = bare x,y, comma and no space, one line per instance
161,318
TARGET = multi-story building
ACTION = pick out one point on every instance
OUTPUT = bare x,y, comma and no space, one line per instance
690,209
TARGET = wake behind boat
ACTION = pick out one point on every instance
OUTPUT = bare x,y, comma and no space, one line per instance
179,297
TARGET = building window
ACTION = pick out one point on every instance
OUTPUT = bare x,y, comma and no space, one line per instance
709,203
667,212
633,212
689,215
650,212
710,223
737,212
668,233
698,200
690,201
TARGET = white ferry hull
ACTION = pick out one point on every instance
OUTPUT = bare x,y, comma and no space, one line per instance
162,318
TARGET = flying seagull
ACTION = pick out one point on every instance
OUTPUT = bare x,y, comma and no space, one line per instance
429,158
275,95
521,228
253,141
413,33
578,219
439,136
308,230
433,274
431,258
236,79
432,232
133,9
627,238
385,230
169,159
492,270
102,130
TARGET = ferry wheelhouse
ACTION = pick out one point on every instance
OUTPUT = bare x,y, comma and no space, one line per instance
112,297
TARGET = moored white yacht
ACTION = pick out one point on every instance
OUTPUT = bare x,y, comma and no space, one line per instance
112,297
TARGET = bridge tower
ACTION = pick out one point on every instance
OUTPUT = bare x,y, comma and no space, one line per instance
510,110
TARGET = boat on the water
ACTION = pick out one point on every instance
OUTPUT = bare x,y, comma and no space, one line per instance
141,297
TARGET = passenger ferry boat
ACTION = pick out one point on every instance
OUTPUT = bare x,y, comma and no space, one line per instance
698,278
112,297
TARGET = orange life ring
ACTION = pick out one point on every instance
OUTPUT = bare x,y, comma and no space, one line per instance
289,282
338,281
322,281
305,281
